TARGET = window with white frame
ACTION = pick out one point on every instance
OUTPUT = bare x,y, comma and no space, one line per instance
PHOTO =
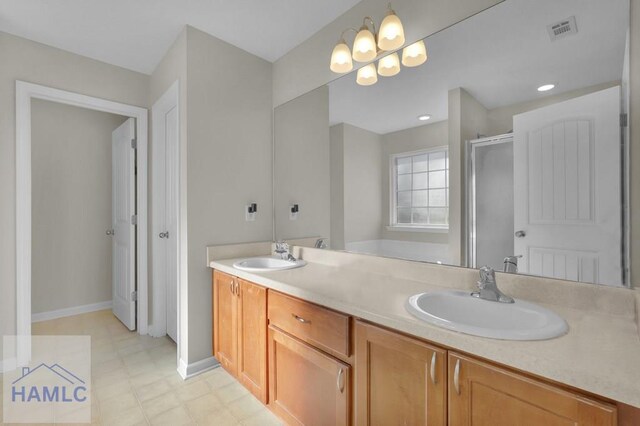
420,189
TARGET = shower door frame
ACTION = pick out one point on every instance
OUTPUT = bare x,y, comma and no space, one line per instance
470,150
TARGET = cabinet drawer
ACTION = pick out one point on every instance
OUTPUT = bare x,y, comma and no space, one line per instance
321,327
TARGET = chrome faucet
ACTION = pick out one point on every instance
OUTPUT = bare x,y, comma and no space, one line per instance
282,248
321,243
488,287
511,264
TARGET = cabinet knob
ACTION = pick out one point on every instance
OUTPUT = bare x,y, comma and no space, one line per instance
456,377
432,369
340,380
300,319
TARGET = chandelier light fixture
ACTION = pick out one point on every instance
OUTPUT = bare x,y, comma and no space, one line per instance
370,44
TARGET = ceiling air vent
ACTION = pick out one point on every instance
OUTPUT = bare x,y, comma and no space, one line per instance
562,29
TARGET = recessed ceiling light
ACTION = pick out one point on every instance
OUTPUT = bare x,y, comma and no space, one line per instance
546,87
424,117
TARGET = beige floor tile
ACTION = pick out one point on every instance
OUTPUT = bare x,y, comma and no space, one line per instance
219,418
218,378
128,417
193,390
174,417
107,392
245,407
231,392
112,407
152,390
200,408
160,404
264,418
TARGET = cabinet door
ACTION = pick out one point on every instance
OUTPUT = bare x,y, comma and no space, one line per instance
306,386
252,338
399,380
481,394
225,321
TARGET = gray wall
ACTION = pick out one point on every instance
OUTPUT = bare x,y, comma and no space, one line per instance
416,138
34,62
301,129
71,193
356,185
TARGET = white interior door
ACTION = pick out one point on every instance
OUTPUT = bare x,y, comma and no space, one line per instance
567,189
123,209
165,216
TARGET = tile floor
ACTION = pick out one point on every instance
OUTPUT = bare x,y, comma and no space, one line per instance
135,382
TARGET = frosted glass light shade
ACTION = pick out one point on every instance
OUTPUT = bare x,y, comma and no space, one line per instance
391,35
341,58
367,75
364,46
415,54
389,65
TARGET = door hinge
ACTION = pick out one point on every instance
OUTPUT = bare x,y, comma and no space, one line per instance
624,118
134,143
134,219
134,296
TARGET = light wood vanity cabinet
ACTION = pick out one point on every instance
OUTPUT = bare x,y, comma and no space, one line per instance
481,394
316,366
240,331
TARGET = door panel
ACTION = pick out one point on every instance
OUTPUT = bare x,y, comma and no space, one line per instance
252,338
225,325
123,207
399,380
306,386
171,221
484,395
567,189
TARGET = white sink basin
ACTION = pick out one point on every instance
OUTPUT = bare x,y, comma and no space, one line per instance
267,263
459,311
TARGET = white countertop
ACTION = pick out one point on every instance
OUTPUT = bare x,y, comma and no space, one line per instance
600,354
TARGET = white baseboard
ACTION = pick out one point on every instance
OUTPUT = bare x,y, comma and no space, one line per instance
187,371
67,312
7,365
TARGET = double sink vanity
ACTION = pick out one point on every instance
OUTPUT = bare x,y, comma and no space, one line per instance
342,338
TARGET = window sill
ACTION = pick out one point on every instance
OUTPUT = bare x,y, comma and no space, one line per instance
432,229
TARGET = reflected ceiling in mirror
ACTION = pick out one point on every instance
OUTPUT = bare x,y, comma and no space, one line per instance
463,160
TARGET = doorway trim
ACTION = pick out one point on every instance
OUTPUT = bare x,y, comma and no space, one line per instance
25,92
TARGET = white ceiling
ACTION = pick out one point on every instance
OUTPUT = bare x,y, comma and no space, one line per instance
135,34
499,56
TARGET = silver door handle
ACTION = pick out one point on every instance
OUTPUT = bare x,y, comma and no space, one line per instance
456,377
520,234
164,234
300,319
432,369
110,232
340,380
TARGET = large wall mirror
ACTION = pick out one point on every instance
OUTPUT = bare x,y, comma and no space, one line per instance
468,159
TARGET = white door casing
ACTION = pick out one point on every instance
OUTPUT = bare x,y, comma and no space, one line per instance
165,160
567,189
123,209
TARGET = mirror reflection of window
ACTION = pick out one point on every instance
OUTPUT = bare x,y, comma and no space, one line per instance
421,189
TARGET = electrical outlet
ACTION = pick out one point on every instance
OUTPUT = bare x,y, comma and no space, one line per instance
250,211
293,212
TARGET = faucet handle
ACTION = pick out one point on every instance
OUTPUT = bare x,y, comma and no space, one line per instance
487,275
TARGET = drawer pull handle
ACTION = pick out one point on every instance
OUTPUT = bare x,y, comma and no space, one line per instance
231,287
300,319
456,377
340,380
432,369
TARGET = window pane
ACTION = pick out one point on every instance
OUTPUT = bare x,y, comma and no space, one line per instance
438,198
420,198
404,199
437,160
437,179
421,216
404,182
419,180
403,165
438,216
420,163
404,216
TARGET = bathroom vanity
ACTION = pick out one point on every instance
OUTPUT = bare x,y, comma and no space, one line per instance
332,343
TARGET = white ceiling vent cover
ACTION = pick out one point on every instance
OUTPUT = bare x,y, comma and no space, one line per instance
562,29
